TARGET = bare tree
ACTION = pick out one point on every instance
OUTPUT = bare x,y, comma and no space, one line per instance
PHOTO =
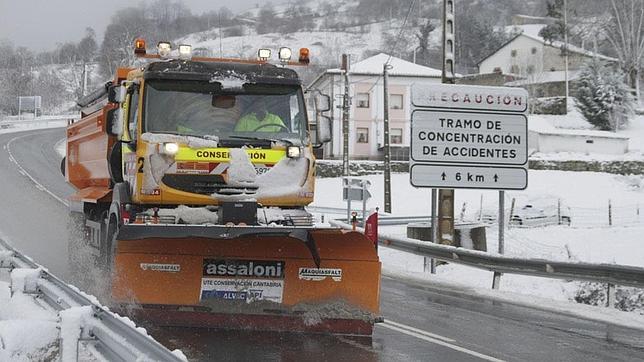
625,32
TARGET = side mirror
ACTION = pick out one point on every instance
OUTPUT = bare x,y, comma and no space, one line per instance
323,134
323,102
115,122
116,94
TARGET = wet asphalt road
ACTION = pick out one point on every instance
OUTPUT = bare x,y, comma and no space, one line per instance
424,322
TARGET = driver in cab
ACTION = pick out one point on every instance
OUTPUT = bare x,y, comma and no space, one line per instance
258,119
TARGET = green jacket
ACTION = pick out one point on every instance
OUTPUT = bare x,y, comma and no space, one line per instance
250,123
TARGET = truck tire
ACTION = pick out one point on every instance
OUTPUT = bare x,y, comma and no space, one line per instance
62,165
108,246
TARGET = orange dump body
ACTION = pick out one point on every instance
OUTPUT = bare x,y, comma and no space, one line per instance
88,145
170,278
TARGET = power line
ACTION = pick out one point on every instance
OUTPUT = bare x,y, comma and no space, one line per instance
398,37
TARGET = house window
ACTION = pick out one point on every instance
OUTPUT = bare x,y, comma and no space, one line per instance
362,134
363,100
396,101
533,50
514,69
513,53
530,69
396,135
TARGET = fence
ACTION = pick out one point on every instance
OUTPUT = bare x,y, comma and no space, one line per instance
557,212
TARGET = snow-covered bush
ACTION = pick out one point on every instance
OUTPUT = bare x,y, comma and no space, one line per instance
603,97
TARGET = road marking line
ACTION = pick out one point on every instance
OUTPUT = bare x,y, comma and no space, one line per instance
22,171
440,342
420,331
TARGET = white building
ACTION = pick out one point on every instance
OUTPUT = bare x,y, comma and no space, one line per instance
366,112
545,138
529,55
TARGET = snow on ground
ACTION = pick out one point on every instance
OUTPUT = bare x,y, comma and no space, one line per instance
588,239
586,193
30,126
27,328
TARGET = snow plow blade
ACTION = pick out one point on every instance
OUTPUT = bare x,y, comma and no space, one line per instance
263,278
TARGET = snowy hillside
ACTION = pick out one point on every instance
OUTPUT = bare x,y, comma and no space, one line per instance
329,34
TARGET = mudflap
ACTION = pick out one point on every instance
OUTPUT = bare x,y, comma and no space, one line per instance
257,278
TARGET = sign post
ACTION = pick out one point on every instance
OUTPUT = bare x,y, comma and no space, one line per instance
356,189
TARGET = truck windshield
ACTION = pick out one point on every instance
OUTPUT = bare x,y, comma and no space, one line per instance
206,109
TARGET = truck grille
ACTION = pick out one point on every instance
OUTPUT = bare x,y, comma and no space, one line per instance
204,184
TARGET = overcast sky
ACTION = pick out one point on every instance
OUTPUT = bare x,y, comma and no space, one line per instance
40,24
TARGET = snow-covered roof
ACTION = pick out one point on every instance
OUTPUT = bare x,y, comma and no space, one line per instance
532,31
540,125
400,67
546,77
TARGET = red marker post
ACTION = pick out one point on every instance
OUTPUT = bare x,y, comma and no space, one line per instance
371,228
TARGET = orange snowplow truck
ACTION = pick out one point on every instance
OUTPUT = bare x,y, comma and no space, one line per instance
192,177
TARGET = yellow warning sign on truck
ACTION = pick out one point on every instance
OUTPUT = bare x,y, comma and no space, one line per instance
223,155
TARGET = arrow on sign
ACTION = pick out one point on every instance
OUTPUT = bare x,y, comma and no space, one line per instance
496,177
443,176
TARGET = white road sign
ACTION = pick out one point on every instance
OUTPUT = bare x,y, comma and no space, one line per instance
497,99
469,137
465,137
468,177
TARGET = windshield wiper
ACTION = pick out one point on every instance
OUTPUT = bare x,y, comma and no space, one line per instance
252,138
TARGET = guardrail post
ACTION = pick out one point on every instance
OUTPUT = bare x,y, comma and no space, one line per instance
610,295
610,214
558,211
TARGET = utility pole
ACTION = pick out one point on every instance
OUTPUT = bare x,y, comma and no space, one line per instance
387,149
565,19
446,197
345,116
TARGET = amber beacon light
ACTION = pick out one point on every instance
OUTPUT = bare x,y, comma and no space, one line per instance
139,46
304,55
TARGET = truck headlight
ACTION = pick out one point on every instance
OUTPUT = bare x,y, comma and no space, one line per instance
170,148
293,152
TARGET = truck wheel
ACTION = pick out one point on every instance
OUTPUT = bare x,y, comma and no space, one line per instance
107,247
62,165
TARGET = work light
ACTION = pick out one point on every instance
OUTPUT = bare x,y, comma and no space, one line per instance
164,49
185,52
285,54
264,54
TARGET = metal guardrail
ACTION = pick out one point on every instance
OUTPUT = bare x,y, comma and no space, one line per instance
383,219
43,119
105,326
606,273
